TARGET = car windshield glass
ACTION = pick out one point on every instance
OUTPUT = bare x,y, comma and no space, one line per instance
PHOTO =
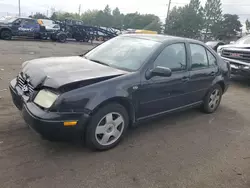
243,40
7,20
128,53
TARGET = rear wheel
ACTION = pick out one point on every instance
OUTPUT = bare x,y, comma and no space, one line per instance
212,99
107,127
6,35
62,38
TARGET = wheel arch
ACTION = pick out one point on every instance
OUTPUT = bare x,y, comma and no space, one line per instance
221,82
5,29
222,85
125,102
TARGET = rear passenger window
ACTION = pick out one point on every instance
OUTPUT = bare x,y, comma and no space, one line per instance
211,59
199,56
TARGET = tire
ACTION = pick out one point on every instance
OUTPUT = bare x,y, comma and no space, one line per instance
107,127
6,35
212,99
62,38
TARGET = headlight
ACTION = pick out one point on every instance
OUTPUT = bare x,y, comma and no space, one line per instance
219,50
45,98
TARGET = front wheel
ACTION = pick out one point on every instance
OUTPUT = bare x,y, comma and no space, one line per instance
212,99
107,127
62,38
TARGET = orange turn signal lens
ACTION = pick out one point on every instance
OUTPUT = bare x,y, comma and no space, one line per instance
69,123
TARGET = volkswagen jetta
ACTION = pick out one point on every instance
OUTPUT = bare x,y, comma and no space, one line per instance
123,81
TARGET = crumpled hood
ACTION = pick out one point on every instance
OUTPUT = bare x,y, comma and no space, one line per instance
55,72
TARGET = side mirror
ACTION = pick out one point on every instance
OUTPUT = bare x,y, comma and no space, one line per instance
159,71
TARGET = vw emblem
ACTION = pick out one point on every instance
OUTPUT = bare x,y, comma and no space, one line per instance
25,88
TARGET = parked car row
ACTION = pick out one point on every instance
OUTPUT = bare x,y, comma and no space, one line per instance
55,30
124,81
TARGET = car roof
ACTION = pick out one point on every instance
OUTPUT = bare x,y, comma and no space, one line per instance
160,38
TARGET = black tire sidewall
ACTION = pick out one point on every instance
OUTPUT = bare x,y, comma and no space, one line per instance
206,107
90,138
62,38
9,33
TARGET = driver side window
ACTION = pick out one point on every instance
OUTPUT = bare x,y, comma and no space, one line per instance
173,57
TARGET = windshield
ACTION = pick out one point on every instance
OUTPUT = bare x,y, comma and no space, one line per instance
212,43
122,52
243,40
47,22
7,20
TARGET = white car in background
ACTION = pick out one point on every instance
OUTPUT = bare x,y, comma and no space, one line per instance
49,25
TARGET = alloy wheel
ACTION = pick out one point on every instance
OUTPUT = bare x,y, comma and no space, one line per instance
109,129
214,99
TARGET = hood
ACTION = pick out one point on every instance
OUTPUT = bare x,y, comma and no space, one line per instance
236,46
55,72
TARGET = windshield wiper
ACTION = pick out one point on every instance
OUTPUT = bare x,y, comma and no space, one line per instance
100,62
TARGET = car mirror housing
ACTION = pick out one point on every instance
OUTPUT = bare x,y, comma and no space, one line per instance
159,71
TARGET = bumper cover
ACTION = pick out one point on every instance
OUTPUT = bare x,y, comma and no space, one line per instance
47,124
238,67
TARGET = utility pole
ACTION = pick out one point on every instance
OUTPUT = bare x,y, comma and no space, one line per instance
79,10
169,4
19,8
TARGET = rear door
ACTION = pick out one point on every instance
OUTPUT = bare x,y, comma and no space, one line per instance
203,70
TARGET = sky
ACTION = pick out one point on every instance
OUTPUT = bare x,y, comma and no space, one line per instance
157,7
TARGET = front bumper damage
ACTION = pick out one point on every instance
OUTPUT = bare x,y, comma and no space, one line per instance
48,124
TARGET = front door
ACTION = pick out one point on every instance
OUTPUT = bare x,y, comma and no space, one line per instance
160,94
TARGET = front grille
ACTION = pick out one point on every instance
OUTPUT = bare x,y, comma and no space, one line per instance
22,83
238,55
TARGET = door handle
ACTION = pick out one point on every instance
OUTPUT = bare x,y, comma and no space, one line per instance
185,79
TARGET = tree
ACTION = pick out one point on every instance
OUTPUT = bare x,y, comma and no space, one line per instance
185,21
117,18
89,17
248,26
107,10
212,17
104,17
229,27
142,21
54,16
39,15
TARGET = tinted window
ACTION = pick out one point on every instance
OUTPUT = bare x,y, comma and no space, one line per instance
211,59
123,52
28,22
173,57
199,56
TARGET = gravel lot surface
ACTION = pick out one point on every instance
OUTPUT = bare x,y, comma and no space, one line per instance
188,149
